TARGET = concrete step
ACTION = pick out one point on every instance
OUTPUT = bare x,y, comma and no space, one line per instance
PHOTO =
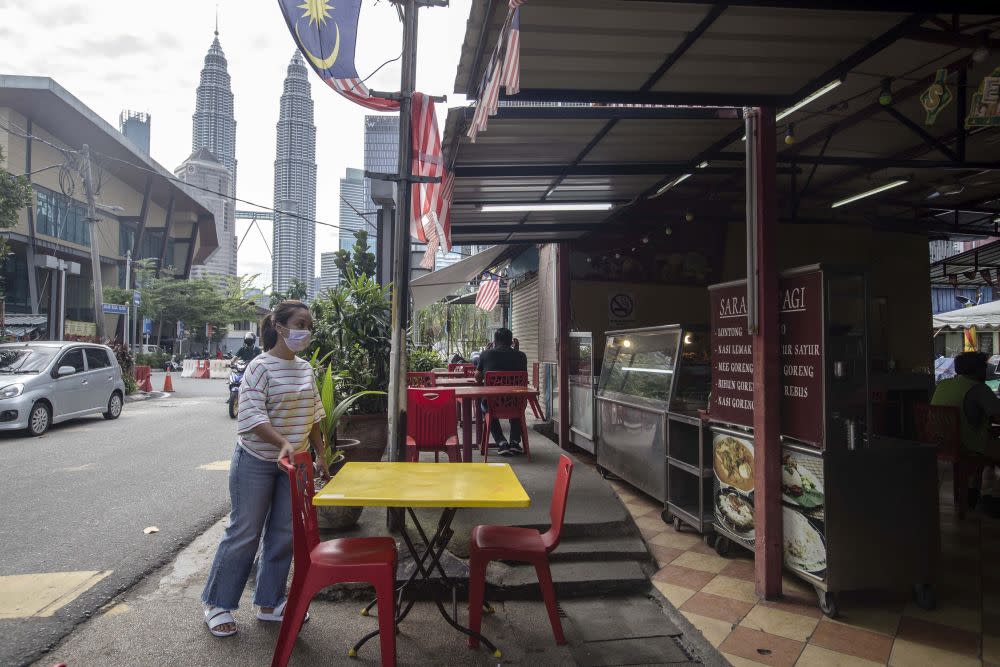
582,549
572,579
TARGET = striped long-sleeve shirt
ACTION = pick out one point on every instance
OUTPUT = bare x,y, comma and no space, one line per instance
282,392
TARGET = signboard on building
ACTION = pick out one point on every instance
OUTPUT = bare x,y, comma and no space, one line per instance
801,356
801,319
136,298
76,328
115,309
732,356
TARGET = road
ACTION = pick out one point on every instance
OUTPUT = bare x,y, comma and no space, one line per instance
76,501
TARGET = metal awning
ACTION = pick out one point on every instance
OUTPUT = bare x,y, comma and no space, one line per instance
966,268
434,286
983,316
640,93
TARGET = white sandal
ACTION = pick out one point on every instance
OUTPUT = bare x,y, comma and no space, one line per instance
277,615
216,616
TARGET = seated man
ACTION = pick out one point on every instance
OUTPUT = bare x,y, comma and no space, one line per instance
503,357
977,405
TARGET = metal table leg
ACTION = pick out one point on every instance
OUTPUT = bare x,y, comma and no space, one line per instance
435,547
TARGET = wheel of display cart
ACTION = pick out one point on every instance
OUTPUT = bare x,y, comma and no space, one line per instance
677,524
602,472
666,516
711,539
722,545
923,596
827,603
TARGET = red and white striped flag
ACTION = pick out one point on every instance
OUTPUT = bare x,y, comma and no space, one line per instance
488,295
356,91
431,202
503,68
510,77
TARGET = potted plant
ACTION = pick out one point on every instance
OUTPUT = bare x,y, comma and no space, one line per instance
335,518
352,324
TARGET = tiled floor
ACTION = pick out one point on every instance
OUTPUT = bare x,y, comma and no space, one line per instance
875,628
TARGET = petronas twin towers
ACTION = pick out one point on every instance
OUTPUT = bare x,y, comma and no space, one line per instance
214,133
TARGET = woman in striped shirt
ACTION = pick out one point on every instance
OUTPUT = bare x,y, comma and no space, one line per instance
279,415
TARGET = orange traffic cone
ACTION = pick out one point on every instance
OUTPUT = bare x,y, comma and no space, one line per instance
168,384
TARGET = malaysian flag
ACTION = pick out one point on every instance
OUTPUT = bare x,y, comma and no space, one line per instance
503,68
327,33
489,294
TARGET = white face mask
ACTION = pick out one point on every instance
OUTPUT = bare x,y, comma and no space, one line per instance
297,339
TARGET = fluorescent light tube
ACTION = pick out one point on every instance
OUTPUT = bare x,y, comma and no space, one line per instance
677,181
660,371
703,164
869,193
546,206
808,100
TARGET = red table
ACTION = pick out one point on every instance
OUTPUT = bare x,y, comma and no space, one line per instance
449,374
454,382
470,395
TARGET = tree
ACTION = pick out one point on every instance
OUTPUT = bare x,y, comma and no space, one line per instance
15,194
358,261
296,292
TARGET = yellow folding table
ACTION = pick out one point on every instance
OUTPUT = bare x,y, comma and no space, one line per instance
449,486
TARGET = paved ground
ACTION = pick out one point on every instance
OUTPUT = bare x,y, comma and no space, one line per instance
157,623
76,502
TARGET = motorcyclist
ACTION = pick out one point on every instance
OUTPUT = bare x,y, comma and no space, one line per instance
249,350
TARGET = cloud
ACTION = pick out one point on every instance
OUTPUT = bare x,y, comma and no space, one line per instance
115,46
65,15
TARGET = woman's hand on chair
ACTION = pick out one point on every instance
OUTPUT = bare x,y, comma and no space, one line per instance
286,450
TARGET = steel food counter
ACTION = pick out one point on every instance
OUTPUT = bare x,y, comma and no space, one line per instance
648,377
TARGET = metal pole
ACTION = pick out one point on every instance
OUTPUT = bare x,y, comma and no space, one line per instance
130,331
63,267
95,247
401,256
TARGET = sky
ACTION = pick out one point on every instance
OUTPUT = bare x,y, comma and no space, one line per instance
147,56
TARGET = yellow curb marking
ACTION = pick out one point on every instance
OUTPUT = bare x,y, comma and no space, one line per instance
215,465
44,593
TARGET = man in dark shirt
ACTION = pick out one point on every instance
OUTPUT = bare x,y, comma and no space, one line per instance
249,351
503,357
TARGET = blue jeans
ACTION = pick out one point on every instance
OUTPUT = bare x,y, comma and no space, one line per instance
496,429
261,504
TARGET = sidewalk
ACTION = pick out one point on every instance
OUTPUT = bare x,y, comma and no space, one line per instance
607,621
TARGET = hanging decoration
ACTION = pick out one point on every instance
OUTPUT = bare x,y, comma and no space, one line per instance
326,34
936,97
985,273
984,111
503,68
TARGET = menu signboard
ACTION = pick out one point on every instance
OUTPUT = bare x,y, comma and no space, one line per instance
801,356
732,357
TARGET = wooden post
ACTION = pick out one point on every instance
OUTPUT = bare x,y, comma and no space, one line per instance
562,292
762,257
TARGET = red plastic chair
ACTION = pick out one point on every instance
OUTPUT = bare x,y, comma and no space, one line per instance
321,564
941,425
432,424
469,371
452,368
421,380
514,379
526,545
504,407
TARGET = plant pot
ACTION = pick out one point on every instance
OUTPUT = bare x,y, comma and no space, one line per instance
372,433
335,518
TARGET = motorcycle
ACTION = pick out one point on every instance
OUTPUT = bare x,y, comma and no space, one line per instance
236,371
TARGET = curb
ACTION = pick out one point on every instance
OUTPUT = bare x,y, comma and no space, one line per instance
140,396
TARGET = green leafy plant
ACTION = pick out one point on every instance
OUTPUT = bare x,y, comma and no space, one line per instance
329,395
422,360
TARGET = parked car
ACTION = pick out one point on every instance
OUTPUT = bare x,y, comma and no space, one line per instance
146,349
45,383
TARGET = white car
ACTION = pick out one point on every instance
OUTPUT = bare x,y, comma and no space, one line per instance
45,383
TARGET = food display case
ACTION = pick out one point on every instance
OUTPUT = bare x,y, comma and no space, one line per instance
648,377
858,511
582,382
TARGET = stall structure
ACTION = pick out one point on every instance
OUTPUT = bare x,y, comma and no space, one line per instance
689,115
829,458
582,387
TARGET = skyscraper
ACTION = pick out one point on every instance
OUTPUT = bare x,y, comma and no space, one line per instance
353,200
294,238
213,151
381,149
329,273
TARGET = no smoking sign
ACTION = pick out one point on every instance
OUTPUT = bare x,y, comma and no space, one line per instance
621,308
